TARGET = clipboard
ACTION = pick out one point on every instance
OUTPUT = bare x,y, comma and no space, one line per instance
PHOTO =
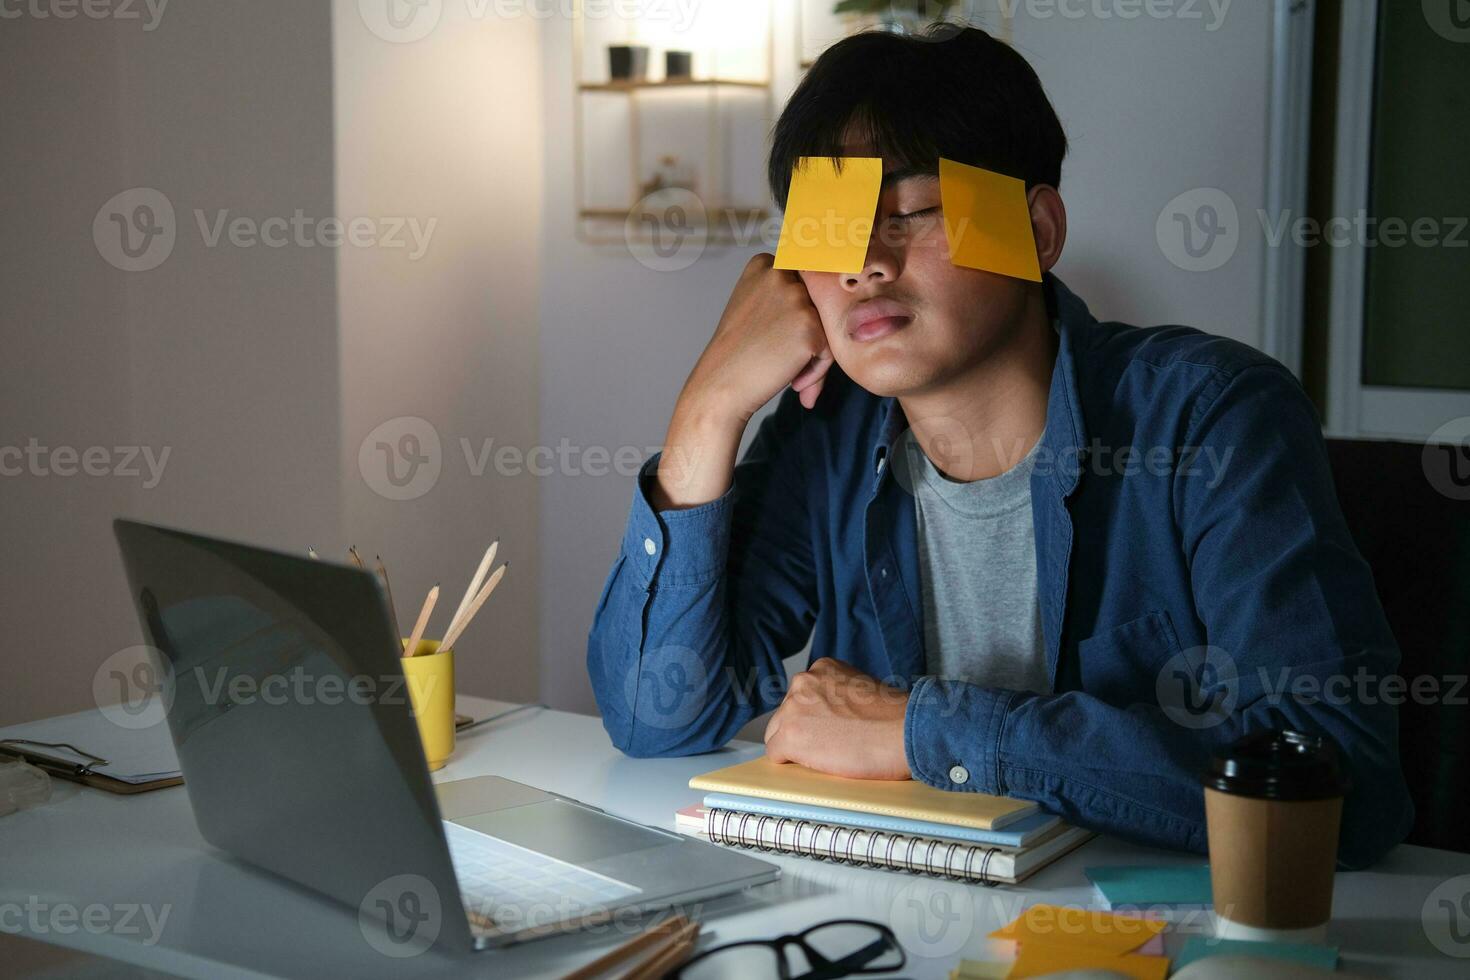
88,772
84,773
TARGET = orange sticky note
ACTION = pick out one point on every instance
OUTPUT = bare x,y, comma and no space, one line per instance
987,221
829,214
1040,959
1073,928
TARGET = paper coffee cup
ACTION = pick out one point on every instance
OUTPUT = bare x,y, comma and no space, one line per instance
1273,805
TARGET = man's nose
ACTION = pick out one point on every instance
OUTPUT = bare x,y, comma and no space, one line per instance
879,265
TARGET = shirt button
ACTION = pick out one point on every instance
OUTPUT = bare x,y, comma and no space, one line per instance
959,774
649,546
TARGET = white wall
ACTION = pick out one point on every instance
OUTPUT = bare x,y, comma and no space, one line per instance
445,129
261,369
226,357
1155,107
1152,107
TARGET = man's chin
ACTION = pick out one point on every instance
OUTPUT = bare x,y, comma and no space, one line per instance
888,371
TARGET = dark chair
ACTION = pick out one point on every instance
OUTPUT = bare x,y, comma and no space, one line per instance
1417,541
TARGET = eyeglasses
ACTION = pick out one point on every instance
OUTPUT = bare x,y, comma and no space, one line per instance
839,948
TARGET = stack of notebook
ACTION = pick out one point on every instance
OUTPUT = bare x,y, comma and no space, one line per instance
894,824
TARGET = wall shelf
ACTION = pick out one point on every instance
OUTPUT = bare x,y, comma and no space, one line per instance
739,213
708,141
669,83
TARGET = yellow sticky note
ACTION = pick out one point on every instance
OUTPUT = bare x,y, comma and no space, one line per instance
1040,959
987,221
829,214
1055,925
980,970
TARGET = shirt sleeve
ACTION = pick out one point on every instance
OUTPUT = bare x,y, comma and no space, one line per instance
703,604
1292,617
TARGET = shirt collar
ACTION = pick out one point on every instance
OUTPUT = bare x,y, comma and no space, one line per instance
1063,441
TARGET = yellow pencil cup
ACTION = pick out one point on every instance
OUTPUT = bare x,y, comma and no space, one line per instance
430,677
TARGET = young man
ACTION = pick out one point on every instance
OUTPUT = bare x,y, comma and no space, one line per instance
1036,555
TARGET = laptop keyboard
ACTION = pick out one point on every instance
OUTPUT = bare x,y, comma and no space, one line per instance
515,888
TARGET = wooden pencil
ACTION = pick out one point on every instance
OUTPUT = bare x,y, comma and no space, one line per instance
469,614
476,581
382,571
422,623
667,956
655,933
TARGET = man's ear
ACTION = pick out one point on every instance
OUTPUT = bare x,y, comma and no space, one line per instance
1048,224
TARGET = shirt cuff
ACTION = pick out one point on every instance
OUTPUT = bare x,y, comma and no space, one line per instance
676,547
951,735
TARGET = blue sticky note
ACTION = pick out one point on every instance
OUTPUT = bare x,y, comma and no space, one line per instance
1200,947
1143,886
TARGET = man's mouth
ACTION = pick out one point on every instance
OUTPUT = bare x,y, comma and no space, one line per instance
876,318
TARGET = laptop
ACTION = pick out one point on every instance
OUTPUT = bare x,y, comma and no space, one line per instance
284,692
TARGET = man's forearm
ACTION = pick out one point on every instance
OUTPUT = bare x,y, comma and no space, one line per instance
673,672
698,461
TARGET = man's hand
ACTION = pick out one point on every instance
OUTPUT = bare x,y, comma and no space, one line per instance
839,720
769,336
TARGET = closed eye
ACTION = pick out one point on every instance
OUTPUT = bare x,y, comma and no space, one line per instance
911,215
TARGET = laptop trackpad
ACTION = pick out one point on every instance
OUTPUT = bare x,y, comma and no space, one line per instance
565,831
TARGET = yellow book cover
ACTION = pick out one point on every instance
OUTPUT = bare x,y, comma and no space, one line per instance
906,799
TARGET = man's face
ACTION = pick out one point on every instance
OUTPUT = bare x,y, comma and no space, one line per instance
911,321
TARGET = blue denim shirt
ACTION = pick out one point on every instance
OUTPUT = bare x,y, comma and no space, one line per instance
1196,581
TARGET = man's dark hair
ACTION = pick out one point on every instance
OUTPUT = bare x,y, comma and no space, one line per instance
954,92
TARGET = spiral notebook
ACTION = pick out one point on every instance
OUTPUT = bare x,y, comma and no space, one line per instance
1021,833
935,856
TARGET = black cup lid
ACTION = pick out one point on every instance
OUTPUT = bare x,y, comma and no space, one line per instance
1278,765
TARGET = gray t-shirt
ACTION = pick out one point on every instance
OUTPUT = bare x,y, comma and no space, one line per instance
977,562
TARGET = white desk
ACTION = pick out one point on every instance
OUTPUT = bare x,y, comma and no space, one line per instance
226,919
